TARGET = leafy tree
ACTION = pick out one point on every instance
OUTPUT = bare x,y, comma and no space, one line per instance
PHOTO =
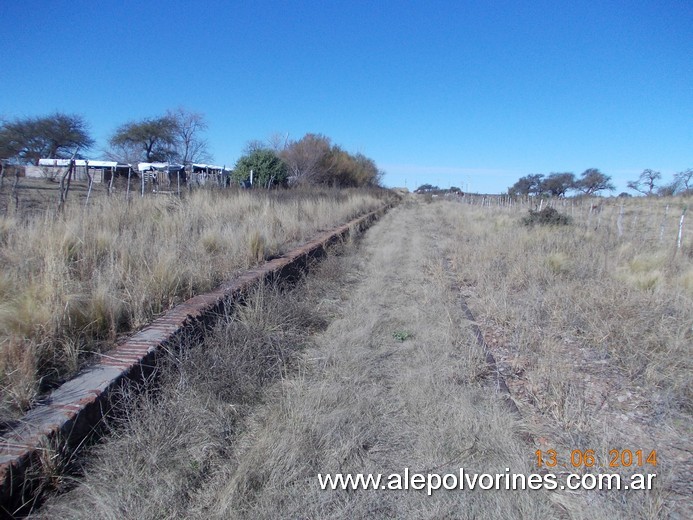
529,185
153,140
268,169
592,181
558,184
425,188
646,182
57,136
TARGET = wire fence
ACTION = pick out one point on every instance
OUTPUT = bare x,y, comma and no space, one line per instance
30,189
647,219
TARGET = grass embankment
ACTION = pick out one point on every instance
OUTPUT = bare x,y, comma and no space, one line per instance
70,283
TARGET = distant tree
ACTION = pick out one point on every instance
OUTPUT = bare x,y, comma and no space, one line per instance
684,181
153,139
592,181
681,184
528,185
668,190
188,142
125,152
278,142
253,146
365,171
646,183
308,158
425,188
315,160
57,136
558,184
338,169
268,169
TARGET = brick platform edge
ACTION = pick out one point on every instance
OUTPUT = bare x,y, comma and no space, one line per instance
75,409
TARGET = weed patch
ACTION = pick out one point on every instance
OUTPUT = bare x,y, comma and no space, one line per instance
546,217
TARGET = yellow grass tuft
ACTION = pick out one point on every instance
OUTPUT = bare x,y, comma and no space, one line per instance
559,263
686,280
256,247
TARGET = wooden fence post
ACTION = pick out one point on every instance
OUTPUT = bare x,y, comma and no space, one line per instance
91,182
127,190
65,188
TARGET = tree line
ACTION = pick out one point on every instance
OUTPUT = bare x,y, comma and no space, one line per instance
178,136
592,182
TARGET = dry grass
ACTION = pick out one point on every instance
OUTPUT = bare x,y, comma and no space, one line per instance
71,283
169,439
595,327
396,380
373,369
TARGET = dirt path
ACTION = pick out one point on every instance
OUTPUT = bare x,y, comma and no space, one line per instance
396,382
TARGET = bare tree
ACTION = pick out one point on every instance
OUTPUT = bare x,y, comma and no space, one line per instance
278,142
308,158
124,152
684,180
190,145
254,145
646,183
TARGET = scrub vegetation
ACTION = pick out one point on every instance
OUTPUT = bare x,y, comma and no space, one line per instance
70,284
371,366
593,326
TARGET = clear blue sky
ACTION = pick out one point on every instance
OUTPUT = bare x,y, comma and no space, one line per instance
472,94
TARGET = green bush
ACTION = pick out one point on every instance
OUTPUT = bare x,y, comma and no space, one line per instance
546,217
268,169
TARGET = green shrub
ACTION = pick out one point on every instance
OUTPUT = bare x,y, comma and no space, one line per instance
546,217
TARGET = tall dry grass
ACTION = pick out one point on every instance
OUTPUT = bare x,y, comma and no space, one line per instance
71,283
595,321
629,297
170,439
392,379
